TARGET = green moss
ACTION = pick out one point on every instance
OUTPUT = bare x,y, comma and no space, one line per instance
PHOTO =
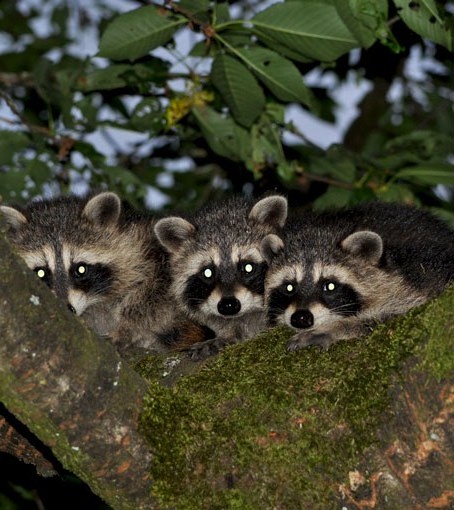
439,353
257,427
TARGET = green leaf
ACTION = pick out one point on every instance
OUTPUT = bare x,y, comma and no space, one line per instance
335,163
424,18
223,135
428,174
310,28
396,193
196,10
11,142
333,197
118,76
148,115
12,183
221,12
134,34
364,18
278,74
283,50
239,89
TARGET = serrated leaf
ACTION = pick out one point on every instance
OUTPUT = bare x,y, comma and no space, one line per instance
223,135
428,174
363,18
424,18
239,89
278,74
310,28
134,34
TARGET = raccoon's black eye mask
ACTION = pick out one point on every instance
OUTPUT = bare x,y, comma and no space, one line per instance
340,297
94,278
207,272
252,275
44,274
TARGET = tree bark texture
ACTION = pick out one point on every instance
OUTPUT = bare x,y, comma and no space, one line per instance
70,389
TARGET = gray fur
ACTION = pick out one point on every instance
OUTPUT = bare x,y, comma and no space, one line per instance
62,234
393,257
224,239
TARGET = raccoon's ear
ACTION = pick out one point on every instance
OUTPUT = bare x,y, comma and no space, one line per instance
14,218
366,244
103,209
173,232
271,246
271,211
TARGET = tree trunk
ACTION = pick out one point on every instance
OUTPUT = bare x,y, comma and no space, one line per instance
70,389
367,424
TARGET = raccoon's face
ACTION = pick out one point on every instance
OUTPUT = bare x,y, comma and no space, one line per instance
315,292
304,297
70,246
226,285
76,276
218,269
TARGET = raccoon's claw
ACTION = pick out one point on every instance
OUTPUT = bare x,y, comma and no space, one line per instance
306,339
203,350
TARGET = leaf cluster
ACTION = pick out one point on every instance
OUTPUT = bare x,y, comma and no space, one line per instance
188,99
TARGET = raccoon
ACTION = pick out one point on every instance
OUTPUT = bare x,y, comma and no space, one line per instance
99,257
341,272
218,270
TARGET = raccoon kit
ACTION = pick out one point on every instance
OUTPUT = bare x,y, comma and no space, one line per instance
343,271
217,267
101,260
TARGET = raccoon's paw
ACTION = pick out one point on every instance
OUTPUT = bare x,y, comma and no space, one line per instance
203,350
301,340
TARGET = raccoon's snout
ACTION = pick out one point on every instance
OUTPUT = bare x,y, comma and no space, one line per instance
229,306
302,319
72,309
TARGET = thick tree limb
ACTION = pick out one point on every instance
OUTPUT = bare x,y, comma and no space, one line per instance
70,388
368,424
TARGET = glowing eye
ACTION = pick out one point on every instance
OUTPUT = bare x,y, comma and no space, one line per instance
41,273
289,288
81,270
207,273
248,268
330,286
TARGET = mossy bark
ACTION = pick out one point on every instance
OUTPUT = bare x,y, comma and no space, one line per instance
70,388
367,424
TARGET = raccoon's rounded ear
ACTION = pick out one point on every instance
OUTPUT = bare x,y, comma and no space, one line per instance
270,211
365,244
271,246
173,232
14,218
103,209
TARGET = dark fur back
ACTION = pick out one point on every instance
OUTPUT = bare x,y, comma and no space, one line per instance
416,244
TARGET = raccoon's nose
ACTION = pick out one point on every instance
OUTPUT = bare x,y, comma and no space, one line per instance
229,306
302,319
71,308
